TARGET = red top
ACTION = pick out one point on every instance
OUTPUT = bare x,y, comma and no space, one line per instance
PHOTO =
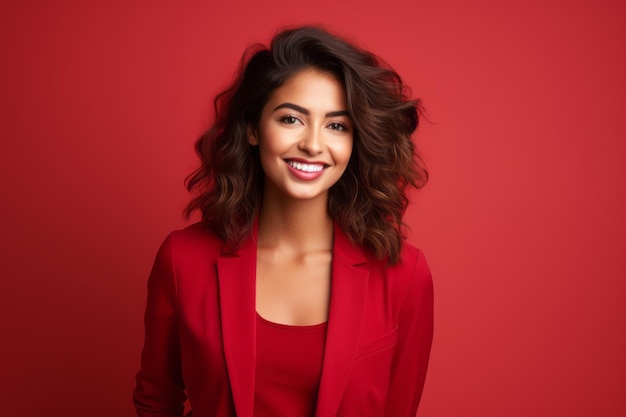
288,368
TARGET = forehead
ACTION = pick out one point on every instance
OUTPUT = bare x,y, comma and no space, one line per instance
311,89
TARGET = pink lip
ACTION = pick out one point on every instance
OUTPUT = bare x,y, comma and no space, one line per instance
305,176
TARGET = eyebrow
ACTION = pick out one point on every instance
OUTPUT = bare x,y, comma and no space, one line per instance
307,112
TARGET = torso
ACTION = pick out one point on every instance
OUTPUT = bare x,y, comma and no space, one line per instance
288,368
293,289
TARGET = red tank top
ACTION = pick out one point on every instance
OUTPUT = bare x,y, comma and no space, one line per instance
288,368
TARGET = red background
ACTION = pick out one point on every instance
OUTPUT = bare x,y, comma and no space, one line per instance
523,220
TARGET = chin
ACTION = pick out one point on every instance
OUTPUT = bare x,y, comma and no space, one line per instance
306,195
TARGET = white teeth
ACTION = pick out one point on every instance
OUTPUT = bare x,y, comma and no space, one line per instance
306,167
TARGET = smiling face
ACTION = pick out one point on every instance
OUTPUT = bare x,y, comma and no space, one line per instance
304,136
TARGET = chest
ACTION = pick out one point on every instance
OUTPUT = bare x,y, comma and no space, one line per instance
293,290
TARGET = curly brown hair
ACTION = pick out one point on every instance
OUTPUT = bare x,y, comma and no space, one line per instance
369,200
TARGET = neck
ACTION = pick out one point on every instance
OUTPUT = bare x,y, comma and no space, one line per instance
298,225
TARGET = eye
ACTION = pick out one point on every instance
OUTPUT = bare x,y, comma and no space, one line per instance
290,120
337,126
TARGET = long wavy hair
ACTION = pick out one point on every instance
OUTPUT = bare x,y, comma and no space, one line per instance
369,200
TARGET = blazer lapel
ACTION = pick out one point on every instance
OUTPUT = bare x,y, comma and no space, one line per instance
347,302
236,277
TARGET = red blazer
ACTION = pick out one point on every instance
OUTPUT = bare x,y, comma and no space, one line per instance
200,331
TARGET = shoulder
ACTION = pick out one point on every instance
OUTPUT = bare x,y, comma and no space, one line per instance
188,254
197,234
412,263
411,276
195,241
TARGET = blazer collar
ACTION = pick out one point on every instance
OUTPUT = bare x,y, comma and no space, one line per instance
345,318
236,277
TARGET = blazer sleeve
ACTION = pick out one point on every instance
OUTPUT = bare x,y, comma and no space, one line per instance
159,391
415,333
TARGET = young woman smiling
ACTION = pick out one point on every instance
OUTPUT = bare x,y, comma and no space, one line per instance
296,295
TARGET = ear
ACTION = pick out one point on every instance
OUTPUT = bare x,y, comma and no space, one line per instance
253,138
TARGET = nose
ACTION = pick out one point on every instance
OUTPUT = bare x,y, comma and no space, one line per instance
312,141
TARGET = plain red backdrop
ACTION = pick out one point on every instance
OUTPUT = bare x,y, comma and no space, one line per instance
522,222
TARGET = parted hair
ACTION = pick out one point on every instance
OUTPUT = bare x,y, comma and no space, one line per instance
369,200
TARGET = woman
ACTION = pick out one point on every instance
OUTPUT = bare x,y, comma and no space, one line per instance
296,295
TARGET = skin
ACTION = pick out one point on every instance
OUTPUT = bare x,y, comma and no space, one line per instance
305,120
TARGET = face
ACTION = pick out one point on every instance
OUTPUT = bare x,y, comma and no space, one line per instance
304,136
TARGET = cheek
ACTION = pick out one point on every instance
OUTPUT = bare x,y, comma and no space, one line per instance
273,141
344,152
